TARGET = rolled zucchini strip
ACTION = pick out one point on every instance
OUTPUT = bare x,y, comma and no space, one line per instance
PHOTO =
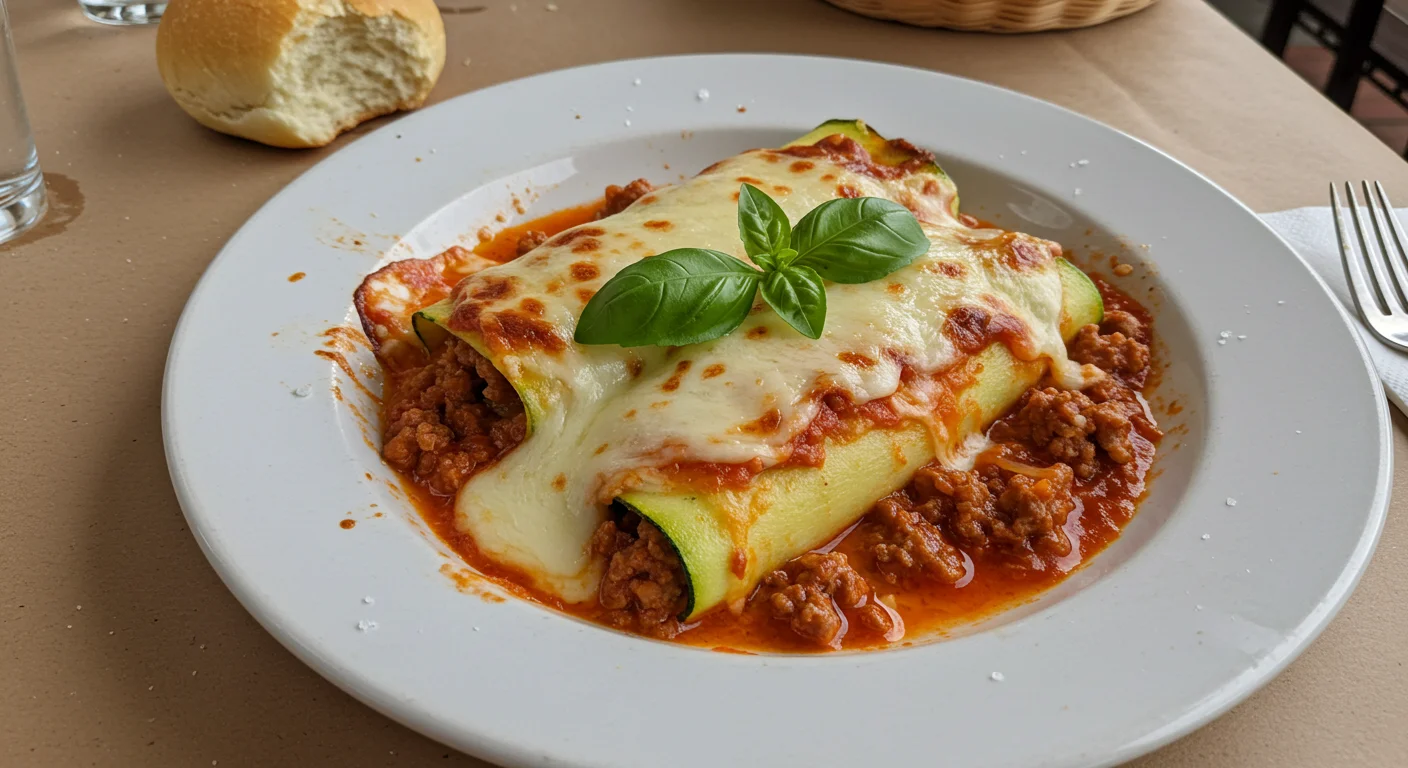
431,326
885,152
786,512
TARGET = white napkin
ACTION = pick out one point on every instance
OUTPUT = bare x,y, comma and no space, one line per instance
1311,232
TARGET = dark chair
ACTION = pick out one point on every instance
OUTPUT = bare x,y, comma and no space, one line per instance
1368,40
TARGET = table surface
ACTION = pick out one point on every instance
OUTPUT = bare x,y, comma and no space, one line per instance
122,647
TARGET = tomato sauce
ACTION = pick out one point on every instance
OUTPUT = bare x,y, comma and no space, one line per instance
993,582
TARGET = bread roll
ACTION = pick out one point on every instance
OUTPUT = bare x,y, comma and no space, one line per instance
296,73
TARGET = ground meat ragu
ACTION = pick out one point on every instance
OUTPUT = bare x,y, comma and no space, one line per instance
1118,346
643,588
810,593
450,417
530,240
1069,426
905,544
986,508
620,198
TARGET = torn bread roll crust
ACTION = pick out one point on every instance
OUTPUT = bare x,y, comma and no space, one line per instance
296,73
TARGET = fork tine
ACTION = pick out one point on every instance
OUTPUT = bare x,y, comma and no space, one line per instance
1390,300
1390,246
1394,228
1361,288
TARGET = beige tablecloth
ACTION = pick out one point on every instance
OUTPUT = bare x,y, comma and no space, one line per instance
161,667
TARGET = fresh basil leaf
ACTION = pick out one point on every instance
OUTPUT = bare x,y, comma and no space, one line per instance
678,297
798,296
856,240
768,261
784,257
762,224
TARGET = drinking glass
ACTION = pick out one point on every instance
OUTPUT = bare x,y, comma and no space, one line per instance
122,11
22,200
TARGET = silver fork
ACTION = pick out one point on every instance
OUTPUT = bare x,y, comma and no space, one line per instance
1376,265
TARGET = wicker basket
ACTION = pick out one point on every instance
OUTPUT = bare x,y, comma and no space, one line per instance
996,15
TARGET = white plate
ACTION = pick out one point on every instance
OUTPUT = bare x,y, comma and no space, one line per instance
1194,607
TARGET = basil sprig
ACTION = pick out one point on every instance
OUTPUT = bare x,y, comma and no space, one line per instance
692,295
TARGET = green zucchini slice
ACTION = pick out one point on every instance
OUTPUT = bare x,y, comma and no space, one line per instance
881,150
431,325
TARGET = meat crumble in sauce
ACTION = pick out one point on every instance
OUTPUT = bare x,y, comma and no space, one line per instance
643,589
618,199
450,417
1064,473
530,240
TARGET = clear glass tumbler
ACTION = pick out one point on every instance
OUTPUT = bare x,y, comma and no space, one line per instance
122,11
22,200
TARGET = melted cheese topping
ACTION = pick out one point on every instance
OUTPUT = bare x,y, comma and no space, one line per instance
604,418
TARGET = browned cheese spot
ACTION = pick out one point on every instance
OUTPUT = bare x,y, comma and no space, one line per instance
801,166
782,189
586,245
532,306
1021,253
600,449
828,177
717,369
631,414
749,180
559,483
493,287
554,287
896,289
466,316
573,235
757,332
972,329
658,225
582,271
931,187
673,383
948,269
635,365
856,359
518,332
766,424
585,294
847,190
